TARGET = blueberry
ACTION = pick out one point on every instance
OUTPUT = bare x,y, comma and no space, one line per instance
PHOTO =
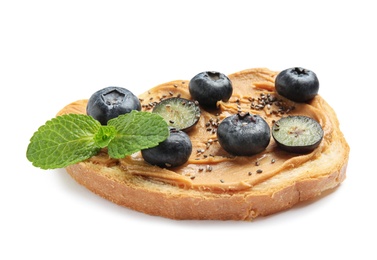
244,134
179,113
209,87
111,102
297,84
172,152
297,134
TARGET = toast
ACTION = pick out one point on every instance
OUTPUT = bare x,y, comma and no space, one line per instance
214,185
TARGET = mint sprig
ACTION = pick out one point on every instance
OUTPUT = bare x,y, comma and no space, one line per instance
72,138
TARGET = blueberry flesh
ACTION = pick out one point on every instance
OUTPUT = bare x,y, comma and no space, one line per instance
297,84
179,113
173,152
244,134
209,87
110,102
297,134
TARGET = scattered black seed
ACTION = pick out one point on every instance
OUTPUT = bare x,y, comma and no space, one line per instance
222,181
259,171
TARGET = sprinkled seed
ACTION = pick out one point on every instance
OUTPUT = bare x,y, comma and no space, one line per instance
259,171
272,160
249,173
200,169
257,163
209,168
222,181
192,177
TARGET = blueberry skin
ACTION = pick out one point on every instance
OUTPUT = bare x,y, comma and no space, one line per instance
110,102
209,87
174,151
244,134
297,84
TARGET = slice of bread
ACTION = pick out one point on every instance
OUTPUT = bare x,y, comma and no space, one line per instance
189,193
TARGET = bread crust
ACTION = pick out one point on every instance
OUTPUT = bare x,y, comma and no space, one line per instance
205,206
281,192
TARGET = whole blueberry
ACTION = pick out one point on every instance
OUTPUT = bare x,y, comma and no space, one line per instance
172,152
209,87
243,134
297,84
110,102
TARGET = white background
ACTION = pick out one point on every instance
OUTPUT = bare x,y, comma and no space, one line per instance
55,52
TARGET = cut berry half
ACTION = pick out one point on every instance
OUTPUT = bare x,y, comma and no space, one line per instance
297,134
179,113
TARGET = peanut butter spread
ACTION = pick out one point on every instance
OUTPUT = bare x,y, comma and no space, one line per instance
210,167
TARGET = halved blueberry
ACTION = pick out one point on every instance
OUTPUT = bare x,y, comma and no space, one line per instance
172,152
297,84
209,87
297,134
110,102
244,134
179,113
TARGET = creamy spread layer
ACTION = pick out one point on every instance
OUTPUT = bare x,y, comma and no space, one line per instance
210,167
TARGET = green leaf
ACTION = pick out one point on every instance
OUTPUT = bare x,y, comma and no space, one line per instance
104,136
136,131
63,141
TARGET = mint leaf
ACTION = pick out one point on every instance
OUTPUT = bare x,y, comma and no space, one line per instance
63,141
72,138
136,131
104,135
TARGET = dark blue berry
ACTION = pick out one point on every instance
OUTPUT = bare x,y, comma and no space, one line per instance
297,84
209,87
111,102
173,152
244,134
